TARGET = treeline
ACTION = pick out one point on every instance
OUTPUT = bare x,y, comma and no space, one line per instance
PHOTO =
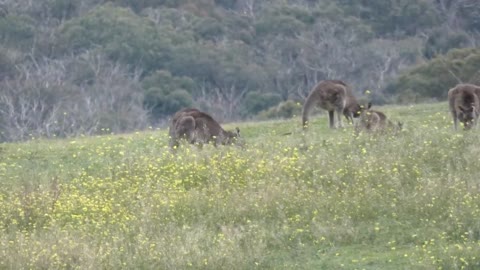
70,67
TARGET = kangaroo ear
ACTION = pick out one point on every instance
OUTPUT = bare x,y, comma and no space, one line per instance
238,131
369,105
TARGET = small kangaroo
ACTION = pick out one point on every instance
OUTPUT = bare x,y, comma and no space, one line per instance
374,121
199,127
464,104
333,96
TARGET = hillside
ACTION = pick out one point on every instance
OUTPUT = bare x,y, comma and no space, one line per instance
326,200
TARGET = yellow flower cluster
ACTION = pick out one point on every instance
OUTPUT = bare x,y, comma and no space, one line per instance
326,197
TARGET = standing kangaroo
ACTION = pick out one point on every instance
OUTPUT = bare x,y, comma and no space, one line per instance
373,121
333,96
464,104
199,127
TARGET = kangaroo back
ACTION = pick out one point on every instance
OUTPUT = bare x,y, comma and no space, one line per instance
373,121
185,128
175,118
370,120
198,127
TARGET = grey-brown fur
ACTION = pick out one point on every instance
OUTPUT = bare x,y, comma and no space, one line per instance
332,96
375,121
464,105
174,120
198,128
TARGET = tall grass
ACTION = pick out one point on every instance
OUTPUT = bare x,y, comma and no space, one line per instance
323,200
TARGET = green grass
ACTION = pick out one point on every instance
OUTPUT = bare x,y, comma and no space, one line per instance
324,200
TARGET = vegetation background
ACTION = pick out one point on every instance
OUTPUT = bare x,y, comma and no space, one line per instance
321,200
70,67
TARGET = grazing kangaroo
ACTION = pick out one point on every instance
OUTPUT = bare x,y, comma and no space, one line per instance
374,121
333,96
176,116
199,127
464,104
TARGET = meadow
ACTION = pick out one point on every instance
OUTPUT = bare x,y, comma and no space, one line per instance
321,200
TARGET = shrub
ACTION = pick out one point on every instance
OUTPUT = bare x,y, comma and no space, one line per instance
286,109
256,102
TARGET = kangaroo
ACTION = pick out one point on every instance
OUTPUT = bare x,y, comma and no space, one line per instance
199,127
464,104
176,117
374,121
333,96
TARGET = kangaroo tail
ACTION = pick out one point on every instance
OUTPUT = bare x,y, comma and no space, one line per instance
307,108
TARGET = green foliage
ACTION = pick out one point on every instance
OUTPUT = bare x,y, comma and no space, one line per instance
434,78
393,17
441,41
120,33
470,15
16,30
228,51
286,109
139,5
164,80
166,94
63,9
7,63
226,69
257,101
229,4
161,104
209,29
279,22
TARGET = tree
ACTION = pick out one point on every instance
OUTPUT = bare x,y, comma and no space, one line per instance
7,64
165,94
229,57
120,33
16,31
256,102
433,79
395,18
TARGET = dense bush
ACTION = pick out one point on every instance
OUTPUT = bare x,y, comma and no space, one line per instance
233,57
284,110
16,31
432,80
256,101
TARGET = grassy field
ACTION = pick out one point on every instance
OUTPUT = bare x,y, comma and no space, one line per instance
324,200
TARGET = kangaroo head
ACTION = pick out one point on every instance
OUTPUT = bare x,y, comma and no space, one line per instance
467,112
358,109
467,115
353,110
232,137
